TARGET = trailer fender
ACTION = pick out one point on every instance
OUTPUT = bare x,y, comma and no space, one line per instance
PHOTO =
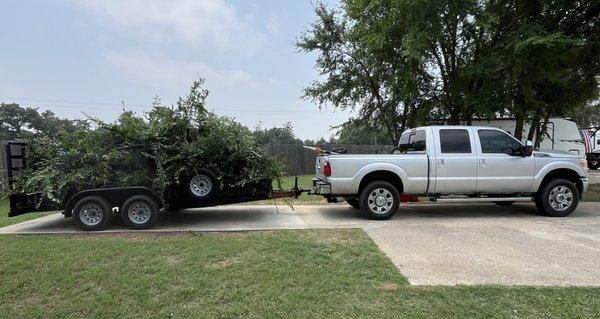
115,196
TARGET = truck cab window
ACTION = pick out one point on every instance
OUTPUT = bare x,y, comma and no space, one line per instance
413,142
493,141
455,141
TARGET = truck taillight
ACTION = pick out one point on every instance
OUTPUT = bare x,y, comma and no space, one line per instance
326,168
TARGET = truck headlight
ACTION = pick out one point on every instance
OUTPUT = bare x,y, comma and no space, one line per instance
582,164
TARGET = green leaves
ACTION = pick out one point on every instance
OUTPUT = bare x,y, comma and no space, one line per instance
157,150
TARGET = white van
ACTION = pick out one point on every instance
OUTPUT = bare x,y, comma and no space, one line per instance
591,139
561,135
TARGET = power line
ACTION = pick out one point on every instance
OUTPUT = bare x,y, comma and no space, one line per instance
103,105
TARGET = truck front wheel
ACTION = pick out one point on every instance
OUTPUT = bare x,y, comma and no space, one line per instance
139,212
558,198
92,213
379,200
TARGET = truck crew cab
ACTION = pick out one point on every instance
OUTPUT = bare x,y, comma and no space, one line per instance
454,164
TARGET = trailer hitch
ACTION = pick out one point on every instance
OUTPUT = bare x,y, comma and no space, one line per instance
294,192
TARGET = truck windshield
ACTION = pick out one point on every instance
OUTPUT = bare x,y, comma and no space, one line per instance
413,142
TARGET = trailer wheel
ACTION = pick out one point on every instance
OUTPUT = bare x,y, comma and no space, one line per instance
139,212
379,200
92,213
203,184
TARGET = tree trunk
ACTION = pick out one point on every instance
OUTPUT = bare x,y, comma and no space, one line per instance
519,126
535,122
542,131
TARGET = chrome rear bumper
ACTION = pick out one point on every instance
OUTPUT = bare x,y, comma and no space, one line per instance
321,187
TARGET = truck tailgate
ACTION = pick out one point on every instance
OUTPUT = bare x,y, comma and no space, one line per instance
319,166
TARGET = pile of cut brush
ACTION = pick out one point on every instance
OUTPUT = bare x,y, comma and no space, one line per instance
153,150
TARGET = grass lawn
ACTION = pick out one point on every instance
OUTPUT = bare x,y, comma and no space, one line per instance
308,273
5,220
593,193
304,182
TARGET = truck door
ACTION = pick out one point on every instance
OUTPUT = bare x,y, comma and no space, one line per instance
502,167
455,162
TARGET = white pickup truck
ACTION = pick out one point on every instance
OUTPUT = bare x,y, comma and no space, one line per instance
454,164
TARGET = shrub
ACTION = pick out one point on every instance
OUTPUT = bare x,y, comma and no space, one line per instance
154,150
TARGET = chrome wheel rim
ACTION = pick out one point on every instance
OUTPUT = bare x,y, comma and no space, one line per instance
380,201
139,212
91,214
201,185
560,198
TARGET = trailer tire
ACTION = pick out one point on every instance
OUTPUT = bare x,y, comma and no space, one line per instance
593,167
557,198
139,212
202,184
92,213
379,200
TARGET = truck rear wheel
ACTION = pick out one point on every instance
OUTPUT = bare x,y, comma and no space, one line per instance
557,198
379,200
139,212
92,213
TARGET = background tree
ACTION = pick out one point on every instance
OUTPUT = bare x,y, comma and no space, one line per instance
360,71
20,122
277,135
405,63
355,132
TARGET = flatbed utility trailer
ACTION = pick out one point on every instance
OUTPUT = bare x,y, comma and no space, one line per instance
138,206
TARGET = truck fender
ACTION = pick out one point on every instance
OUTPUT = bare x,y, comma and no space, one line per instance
373,167
539,177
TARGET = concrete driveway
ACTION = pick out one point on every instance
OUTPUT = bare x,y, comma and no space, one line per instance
594,177
431,244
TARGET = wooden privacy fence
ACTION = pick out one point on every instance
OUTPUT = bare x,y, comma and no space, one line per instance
302,161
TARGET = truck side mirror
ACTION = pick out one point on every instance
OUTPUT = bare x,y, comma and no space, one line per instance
528,149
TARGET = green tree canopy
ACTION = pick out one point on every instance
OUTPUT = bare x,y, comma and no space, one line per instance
404,63
20,122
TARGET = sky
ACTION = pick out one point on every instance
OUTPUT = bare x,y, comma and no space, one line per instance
91,57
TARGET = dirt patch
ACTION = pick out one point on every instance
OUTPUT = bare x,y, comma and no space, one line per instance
225,263
338,237
388,286
174,259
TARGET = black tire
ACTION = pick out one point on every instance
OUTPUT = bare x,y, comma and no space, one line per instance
594,167
387,209
92,213
354,203
396,150
550,205
139,212
202,184
504,203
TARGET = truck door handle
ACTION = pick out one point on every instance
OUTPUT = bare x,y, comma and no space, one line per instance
482,162
441,163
